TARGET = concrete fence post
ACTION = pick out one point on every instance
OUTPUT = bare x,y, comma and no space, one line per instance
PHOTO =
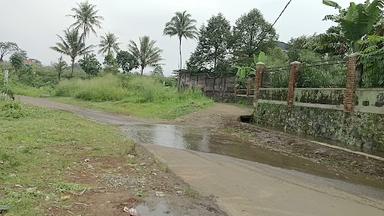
260,69
294,73
350,89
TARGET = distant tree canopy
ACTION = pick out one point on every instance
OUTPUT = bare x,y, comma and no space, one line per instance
90,65
126,61
158,71
7,48
221,48
252,34
17,61
212,54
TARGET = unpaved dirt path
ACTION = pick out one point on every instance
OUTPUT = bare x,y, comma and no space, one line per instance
214,116
245,188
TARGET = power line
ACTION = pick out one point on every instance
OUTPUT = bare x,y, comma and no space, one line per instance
273,24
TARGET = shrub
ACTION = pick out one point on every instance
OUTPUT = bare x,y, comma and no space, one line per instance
12,110
107,88
130,89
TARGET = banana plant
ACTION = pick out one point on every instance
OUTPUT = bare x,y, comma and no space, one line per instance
358,20
243,72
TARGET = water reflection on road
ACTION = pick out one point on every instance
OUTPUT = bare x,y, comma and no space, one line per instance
207,140
210,141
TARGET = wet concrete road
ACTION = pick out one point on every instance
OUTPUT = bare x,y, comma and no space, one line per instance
242,187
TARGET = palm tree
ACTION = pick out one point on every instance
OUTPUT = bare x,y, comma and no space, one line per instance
183,26
86,18
146,53
71,45
108,44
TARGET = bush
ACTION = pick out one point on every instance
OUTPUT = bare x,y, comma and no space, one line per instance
12,110
134,89
107,88
148,90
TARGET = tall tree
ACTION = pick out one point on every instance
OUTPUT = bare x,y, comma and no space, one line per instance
109,44
60,67
248,31
212,53
7,48
72,45
146,52
86,18
182,26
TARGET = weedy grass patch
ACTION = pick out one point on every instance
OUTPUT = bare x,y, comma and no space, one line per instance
38,146
145,97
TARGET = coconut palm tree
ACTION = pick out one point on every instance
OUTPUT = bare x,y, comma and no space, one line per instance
182,26
109,44
72,45
86,18
146,53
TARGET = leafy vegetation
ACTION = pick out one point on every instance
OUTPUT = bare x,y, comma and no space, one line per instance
141,96
212,53
90,65
7,48
247,34
33,165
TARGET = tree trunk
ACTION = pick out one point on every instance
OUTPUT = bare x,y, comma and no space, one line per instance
59,75
142,71
72,67
181,55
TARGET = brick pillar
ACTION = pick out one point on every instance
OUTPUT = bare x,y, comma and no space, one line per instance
350,89
260,69
292,83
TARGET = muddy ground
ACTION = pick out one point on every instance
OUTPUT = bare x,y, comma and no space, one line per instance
339,164
136,181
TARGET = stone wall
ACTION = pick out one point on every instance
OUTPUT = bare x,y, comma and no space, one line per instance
357,130
350,116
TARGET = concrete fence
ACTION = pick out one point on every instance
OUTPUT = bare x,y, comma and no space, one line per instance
352,117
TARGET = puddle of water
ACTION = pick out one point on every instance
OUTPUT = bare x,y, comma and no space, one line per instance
160,209
204,140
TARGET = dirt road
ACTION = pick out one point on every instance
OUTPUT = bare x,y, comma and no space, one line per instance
245,188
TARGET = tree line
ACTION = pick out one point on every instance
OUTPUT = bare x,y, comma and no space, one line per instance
223,48
359,29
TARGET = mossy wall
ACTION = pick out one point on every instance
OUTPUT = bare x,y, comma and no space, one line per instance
359,131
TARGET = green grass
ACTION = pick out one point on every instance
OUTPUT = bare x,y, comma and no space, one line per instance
37,146
20,89
144,97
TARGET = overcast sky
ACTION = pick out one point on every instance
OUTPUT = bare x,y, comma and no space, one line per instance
33,24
